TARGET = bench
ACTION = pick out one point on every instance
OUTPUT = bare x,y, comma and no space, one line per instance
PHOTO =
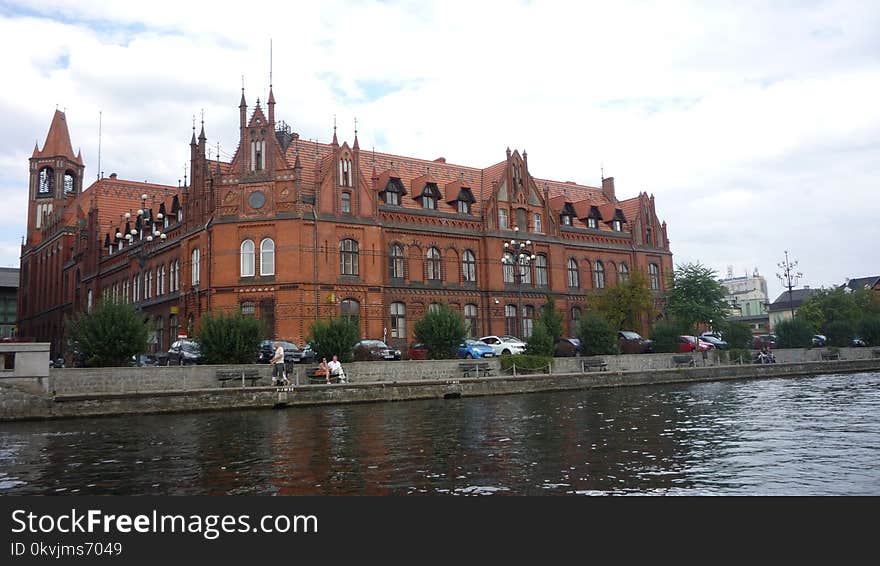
593,365
467,368
829,355
315,376
679,361
241,375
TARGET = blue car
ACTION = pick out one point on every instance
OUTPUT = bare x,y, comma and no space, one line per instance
472,349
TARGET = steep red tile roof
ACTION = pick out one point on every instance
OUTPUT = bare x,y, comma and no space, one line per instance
58,140
115,197
630,207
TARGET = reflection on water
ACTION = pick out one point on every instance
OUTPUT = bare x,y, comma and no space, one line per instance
801,436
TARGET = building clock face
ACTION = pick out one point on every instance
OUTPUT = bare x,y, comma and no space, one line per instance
256,200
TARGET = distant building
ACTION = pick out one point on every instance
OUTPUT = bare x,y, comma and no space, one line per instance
8,301
748,300
784,306
870,283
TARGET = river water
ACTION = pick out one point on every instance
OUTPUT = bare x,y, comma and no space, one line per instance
799,436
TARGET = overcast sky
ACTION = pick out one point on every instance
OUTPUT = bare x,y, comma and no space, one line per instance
756,125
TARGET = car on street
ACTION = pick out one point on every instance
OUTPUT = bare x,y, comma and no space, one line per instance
632,343
716,341
418,351
474,349
142,360
505,345
764,341
819,340
184,352
374,350
292,354
688,344
857,342
567,347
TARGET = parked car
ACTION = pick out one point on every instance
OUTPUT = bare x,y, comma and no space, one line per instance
764,341
307,354
184,352
371,350
473,349
292,354
819,341
567,347
715,341
857,342
142,360
687,344
418,352
632,343
505,345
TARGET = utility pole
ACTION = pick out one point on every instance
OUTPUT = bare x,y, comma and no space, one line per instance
789,279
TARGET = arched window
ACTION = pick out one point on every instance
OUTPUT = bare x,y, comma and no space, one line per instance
528,318
432,265
247,258
510,320
398,320
574,280
348,257
575,315
599,276
69,182
507,267
89,300
470,320
350,310
46,181
654,276
345,177
622,273
396,262
267,257
469,267
173,327
541,270
195,267
525,271
346,203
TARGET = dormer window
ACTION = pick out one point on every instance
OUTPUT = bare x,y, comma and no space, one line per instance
464,207
430,195
567,216
462,200
616,226
592,223
392,192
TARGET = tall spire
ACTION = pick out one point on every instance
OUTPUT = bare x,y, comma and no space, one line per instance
356,144
58,139
335,141
202,133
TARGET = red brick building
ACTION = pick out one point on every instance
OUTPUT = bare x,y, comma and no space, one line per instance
292,231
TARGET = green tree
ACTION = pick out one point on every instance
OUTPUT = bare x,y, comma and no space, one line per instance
335,337
665,335
795,333
737,334
625,304
229,338
833,311
869,329
540,343
696,296
441,332
551,319
108,336
596,335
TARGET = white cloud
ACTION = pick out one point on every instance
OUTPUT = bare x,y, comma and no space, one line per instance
754,125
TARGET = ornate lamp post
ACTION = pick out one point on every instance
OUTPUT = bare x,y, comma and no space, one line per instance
789,278
522,256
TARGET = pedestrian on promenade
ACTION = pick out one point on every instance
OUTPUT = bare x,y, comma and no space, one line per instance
279,376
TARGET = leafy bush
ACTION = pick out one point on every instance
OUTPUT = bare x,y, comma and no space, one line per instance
839,332
551,320
869,330
738,355
525,364
335,337
108,336
795,333
737,334
229,338
596,335
441,332
665,335
540,343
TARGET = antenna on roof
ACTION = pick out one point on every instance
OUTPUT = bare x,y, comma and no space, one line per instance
602,170
99,142
270,62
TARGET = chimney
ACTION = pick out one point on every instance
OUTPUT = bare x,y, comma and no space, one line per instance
112,175
608,189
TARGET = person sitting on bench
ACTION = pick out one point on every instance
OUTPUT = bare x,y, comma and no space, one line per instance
335,370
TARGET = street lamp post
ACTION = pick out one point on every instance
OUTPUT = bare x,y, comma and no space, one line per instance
523,255
789,279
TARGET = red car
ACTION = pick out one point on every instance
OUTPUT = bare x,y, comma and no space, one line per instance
686,344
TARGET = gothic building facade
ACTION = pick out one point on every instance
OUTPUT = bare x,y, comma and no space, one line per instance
292,231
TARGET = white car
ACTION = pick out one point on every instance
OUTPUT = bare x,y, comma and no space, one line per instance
505,345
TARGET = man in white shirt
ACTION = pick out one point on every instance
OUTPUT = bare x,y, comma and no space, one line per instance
278,374
336,369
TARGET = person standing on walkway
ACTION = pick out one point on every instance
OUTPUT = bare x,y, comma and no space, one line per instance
277,361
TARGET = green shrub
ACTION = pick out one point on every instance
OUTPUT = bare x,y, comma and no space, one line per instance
108,336
738,355
441,332
596,335
869,330
665,335
540,343
737,334
839,332
335,337
525,364
229,338
795,333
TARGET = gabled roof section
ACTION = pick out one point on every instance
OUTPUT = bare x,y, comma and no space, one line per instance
419,184
630,207
58,140
258,119
456,191
861,283
385,177
610,212
798,296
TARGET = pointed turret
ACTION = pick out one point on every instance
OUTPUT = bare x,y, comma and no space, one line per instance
271,104
335,141
58,139
36,152
242,111
356,145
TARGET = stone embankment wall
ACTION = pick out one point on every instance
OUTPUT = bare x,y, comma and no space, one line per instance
88,392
